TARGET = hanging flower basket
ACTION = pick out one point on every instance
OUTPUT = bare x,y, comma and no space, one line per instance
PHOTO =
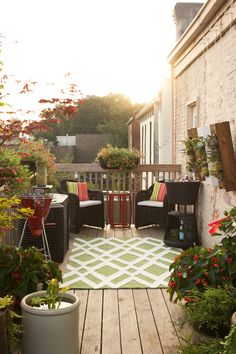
115,158
40,204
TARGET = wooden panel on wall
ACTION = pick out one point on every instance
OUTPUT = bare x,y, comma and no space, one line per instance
222,131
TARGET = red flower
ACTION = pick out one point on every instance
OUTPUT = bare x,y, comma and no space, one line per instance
196,257
187,299
180,274
172,284
229,260
214,225
216,265
198,281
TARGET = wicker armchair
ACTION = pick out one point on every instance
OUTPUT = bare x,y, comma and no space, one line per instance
80,213
149,212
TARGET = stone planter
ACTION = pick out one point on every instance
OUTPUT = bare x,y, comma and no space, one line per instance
50,331
41,175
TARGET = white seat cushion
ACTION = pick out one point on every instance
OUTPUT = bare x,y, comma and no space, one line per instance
151,203
87,203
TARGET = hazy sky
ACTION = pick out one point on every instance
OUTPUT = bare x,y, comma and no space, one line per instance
106,45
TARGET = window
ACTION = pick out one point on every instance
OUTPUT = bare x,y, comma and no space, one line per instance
192,114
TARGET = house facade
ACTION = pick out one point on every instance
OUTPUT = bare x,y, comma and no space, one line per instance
150,129
204,93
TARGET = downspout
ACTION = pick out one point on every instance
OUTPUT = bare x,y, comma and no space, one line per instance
172,116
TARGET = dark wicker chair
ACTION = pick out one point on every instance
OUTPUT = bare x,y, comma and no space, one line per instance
146,214
79,214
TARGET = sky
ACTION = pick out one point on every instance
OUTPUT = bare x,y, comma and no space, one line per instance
107,46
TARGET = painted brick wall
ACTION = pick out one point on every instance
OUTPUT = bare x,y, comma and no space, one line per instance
210,77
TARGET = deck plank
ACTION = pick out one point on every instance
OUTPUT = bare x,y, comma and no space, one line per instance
165,326
148,332
127,321
183,329
83,299
91,342
111,327
130,340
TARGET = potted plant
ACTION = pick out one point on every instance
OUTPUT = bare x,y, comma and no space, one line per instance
45,161
50,321
9,329
111,157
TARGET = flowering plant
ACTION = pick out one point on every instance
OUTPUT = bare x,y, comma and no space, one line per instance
37,152
118,158
53,296
199,267
22,270
225,226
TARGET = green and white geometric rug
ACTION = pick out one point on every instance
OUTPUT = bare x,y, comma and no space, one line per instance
114,263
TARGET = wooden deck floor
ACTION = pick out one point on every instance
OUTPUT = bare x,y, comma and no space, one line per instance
127,321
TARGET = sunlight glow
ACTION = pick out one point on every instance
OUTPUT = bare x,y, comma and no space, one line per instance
107,45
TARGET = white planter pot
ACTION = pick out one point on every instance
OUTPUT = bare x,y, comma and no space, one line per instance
50,331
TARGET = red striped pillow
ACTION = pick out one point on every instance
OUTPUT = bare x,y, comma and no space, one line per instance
161,192
83,191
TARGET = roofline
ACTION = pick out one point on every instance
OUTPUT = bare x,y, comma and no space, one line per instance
200,21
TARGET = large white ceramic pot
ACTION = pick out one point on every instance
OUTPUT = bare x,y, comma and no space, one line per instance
53,331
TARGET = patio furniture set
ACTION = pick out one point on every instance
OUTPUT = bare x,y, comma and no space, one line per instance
68,213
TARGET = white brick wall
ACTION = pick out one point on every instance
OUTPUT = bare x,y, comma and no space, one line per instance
210,76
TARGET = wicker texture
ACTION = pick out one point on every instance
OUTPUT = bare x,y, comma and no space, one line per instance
91,215
147,215
57,233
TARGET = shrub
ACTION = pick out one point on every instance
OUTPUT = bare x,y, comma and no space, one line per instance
212,346
22,270
211,310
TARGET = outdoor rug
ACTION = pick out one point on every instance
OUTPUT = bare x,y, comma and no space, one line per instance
114,263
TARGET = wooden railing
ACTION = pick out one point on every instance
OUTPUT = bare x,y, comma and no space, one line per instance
114,180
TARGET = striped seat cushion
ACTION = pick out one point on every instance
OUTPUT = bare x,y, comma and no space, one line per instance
79,188
159,192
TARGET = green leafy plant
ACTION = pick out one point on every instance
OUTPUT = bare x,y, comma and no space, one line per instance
211,310
230,342
13,175
53,295
12,319
197,157
118,158
10,211
211,346
213,155
23,270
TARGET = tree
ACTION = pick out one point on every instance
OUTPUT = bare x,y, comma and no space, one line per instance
105,115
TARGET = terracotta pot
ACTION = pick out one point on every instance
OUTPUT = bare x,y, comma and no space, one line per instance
40,204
